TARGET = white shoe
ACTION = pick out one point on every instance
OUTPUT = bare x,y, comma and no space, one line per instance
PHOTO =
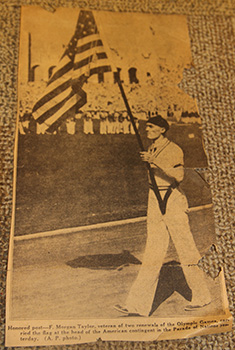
121,309
125,311
195,307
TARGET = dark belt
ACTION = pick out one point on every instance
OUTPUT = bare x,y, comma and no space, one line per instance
168,190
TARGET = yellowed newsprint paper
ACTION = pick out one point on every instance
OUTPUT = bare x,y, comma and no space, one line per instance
112,208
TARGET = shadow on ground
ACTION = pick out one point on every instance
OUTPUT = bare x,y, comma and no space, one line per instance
171,277
104,261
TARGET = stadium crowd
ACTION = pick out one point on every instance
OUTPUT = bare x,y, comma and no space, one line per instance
109,123
117,122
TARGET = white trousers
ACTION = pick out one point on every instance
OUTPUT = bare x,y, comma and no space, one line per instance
160,228
88,127
103,127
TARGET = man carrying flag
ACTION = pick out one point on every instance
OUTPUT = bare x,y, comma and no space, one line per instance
83,57
166,218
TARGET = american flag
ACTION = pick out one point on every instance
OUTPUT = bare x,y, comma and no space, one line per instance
83,57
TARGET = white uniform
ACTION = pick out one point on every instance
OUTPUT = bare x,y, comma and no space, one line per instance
111,127
174,224
70,126
40,128
131,127
103,123
88,124
21,126
115,125
126,126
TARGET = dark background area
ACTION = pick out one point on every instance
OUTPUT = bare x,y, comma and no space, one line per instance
72,180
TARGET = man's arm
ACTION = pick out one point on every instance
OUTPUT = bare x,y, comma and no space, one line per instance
175,172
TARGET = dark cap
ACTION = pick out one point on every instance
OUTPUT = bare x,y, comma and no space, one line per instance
158,120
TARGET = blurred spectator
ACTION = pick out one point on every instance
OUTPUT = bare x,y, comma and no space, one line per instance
103,122
70,125
110,123
121,119
116,123
136,124
126,123
24,119
88,123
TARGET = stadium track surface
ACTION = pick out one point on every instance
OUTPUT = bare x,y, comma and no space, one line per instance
42,273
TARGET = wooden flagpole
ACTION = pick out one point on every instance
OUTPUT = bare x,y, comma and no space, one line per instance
161,203
150,170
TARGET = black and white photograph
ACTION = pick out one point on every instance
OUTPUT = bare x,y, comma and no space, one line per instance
112,207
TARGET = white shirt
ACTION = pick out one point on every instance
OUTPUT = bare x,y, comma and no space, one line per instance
166,155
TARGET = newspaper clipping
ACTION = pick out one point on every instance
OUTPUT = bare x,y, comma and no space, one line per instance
112,208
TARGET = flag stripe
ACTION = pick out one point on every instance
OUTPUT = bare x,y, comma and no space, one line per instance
85,70
60,72
57,83
54,126
63,62
67,105
87,39
88,60
91,52
48,105
91,44
51,103
52,94
93,68
53,109
99,69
